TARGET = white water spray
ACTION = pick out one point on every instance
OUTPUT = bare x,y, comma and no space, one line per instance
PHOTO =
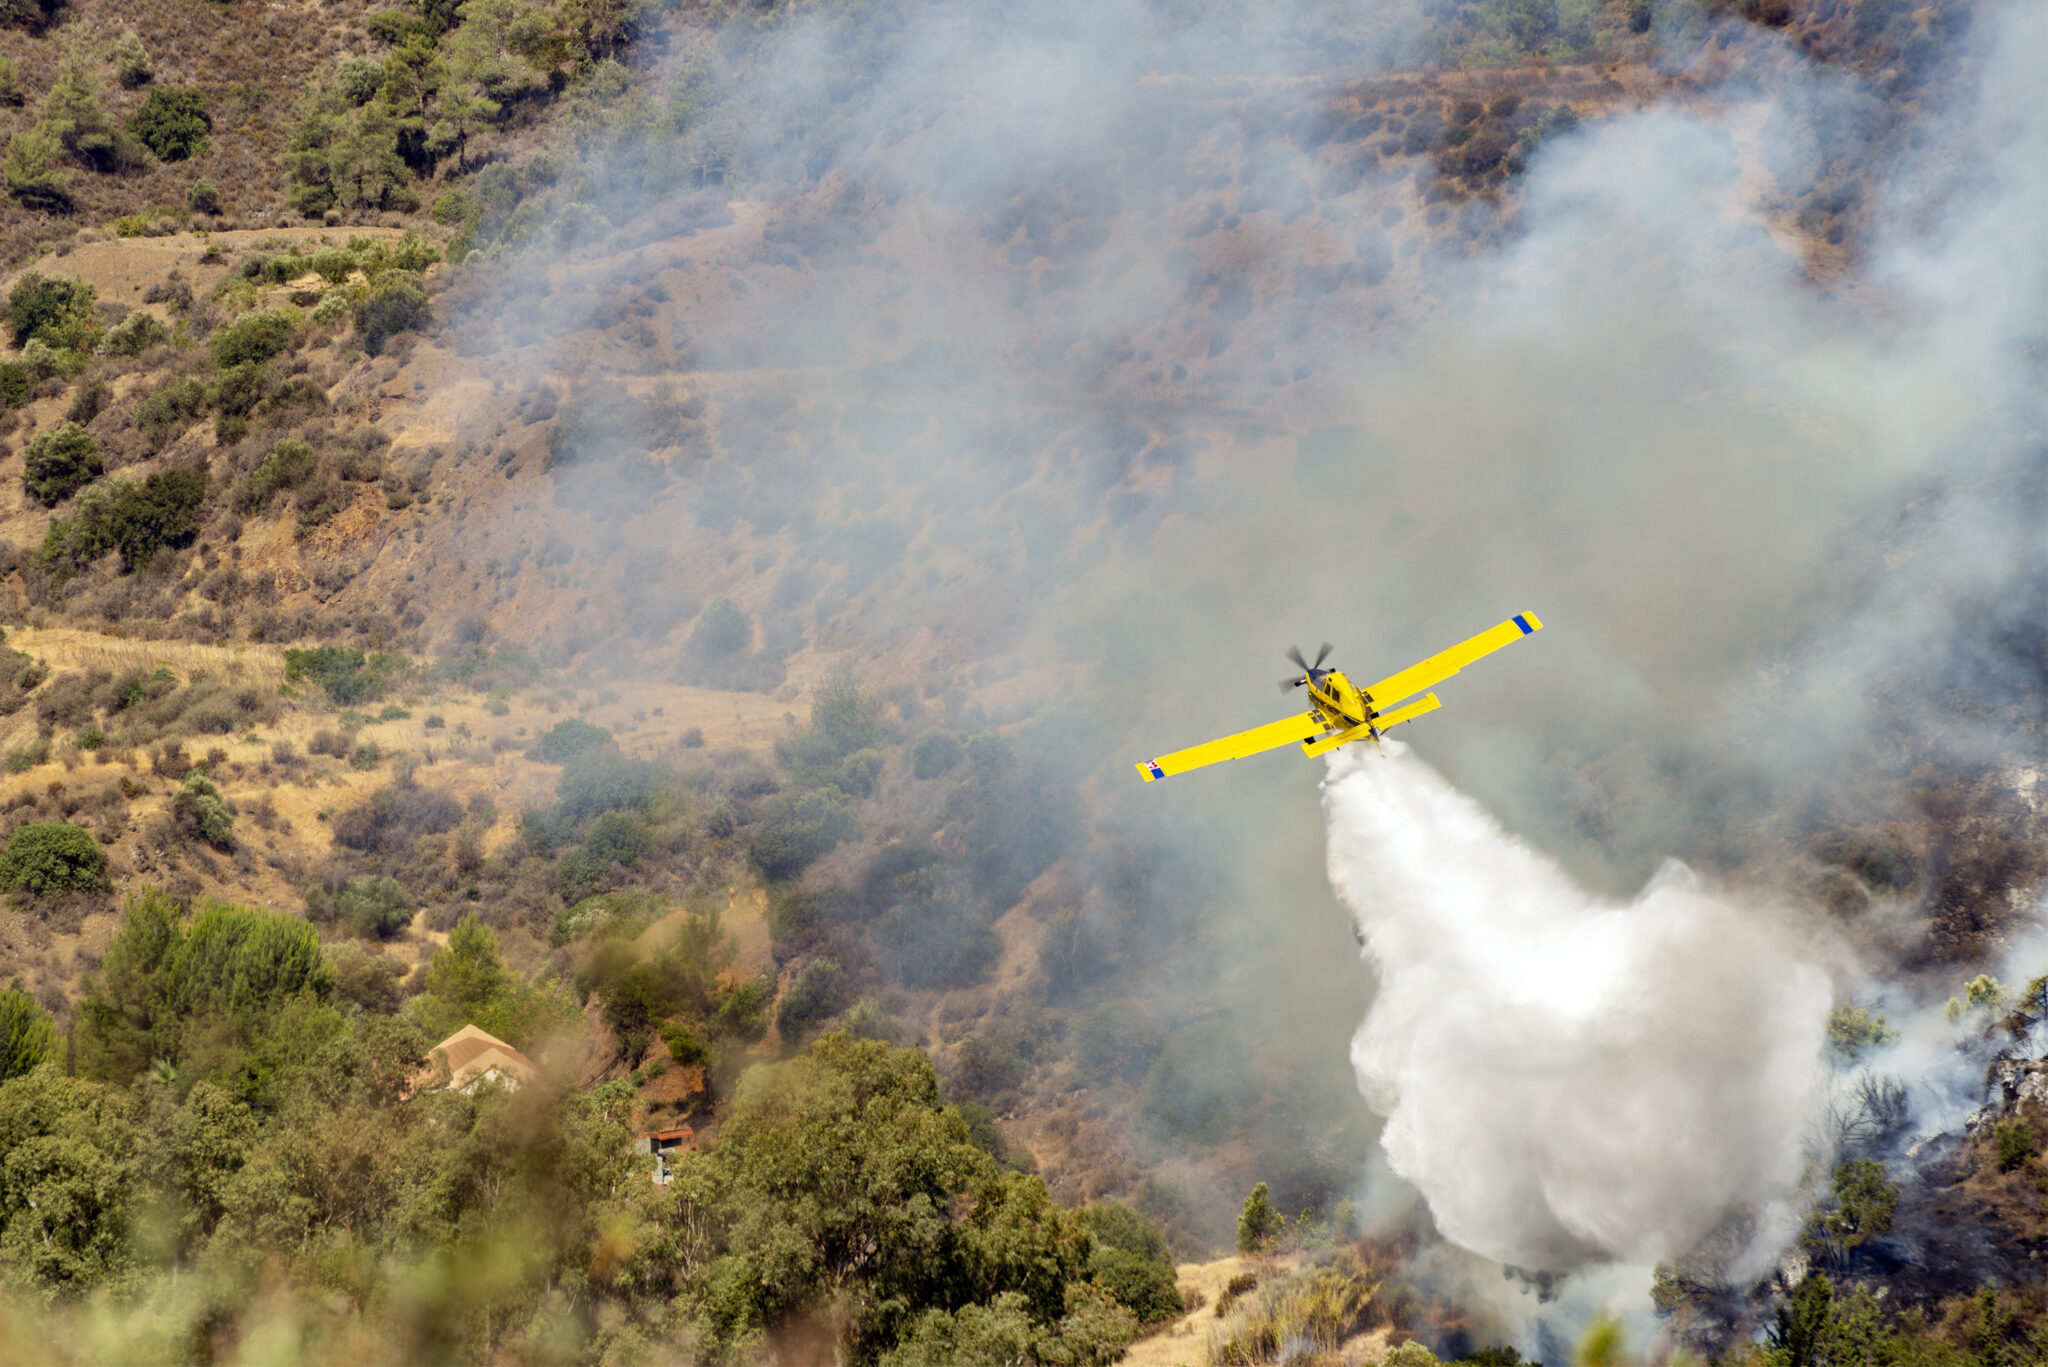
1566,1079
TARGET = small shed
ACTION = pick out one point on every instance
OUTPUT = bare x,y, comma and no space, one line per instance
664,1145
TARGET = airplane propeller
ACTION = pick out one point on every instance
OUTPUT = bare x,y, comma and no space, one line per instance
1310,673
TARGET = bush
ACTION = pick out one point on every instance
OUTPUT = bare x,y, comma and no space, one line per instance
800,829
10,83
172,123
238,389
58,464
394,305
135,334
368,907
290,463
50,857
817,993
359,78
202,198
2014,1141
1200,1087
255,337
138,519
349,676
566,740
394,817
1130,1258
89,401
685,1045
724,630
935,753
742,1011
165,413
131,60
201,810
55,308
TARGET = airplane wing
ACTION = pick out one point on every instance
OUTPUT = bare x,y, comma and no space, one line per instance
1445,663
1387,721
1271,736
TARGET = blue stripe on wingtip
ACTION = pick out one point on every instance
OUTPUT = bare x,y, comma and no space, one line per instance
1518,621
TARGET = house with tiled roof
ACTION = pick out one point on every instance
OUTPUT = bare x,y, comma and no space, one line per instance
471,1058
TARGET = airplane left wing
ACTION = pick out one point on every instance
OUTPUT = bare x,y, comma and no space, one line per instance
1445,663
1271,736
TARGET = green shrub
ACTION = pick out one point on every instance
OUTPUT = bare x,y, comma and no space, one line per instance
58,464
332,308
89,401
15,382
165,413
568,739
46,362
138,519
1130,1258
255,337
10,83
200,808
800,829
742,1011
724,630
202,198
239,388
818,993
55,308
290,463
358,79
172,123
454,206
365,756
51,857
348,676
131,60
135,334
374,908
332,264
2015,1142
935,753
394,305
33,172
685,1045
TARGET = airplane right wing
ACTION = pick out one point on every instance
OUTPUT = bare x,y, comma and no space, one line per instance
1271,736
1445,663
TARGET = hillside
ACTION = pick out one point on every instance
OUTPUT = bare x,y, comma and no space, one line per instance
662,528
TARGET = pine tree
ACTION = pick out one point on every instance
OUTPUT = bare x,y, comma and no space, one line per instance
73,114
1257,1224
1804,1323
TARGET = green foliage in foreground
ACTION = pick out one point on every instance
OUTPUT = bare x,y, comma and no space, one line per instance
50,857
923,1241
27,1034
1815,1326
503,1226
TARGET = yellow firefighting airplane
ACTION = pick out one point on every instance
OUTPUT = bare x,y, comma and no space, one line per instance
1340,711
